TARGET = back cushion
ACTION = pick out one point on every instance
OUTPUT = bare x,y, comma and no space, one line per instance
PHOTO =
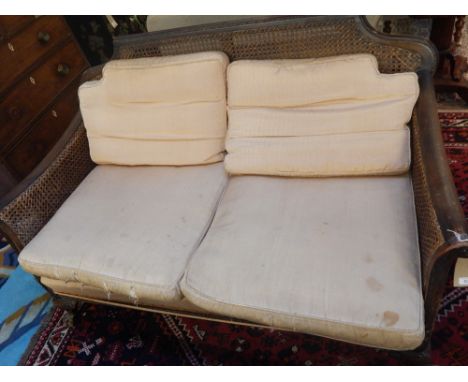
332,116
157,111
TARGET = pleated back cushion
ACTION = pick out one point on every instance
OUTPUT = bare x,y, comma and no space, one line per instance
334,116
157,111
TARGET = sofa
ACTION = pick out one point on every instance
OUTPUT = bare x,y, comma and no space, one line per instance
284,172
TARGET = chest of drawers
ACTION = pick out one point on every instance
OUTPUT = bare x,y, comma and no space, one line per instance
40,65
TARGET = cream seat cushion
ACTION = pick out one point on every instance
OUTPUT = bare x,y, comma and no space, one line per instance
75,288
129,230
334,257
157,111
334,116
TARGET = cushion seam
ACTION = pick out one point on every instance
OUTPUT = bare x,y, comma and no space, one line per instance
260,310
73,270
121,66
220,192
402,129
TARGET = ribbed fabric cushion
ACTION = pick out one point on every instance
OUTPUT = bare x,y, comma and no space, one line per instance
335,257
157,111
129,230
318,117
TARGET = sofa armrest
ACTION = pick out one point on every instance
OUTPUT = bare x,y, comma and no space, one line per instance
30,205
443,234
442,189
93,73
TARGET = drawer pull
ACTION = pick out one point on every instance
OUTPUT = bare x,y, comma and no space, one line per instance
63,69
11,47
43,37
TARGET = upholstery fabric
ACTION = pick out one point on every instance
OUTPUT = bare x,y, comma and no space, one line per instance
129,230
335,257
87,291
331,116
157,111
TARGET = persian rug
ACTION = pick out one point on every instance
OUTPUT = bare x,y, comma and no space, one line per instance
103,335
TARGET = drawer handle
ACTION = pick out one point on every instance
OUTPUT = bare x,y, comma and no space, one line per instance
43,37
63,69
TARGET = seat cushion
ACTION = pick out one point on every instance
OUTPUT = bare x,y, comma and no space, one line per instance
334,116
334,257
75,288
157,111
129,230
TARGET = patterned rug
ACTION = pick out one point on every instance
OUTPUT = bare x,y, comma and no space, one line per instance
112,336
23,306
8,261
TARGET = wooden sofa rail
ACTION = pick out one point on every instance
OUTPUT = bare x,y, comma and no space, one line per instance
443,235
441,222
276,37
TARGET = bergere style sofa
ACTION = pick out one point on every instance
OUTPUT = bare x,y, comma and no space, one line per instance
333,211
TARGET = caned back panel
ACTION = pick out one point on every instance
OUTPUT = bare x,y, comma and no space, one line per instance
280,39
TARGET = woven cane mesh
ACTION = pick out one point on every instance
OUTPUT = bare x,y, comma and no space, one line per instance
33,208
430,234
301,39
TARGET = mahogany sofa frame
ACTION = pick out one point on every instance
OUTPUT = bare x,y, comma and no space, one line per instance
442,227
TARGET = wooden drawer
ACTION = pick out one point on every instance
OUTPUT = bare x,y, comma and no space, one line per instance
32,94
27,154
23,50
9,25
